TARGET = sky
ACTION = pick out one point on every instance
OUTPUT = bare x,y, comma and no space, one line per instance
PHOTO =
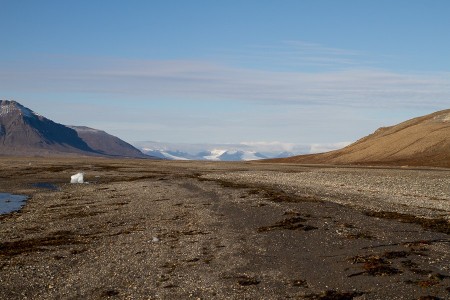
201,71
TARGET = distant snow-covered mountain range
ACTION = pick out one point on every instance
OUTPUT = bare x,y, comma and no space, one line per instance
230,152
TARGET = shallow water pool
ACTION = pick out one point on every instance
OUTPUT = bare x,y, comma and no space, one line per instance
47,186
11,202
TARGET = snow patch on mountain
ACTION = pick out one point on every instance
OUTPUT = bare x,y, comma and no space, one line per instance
215,154
229,152
165,154
10,107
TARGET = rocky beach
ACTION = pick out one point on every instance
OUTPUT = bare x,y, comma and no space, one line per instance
143,229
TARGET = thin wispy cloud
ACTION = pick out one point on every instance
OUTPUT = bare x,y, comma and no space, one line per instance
296,55
309,48
295,72
151,79
313,53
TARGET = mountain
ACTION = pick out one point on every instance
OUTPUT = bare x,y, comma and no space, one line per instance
24,132
240,155
422,141
284,154
106,144
170,155
213,155
222,152
230,155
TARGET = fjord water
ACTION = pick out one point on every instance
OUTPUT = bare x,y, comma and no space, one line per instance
11,202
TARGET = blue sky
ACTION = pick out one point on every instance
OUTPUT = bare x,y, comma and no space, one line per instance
227,71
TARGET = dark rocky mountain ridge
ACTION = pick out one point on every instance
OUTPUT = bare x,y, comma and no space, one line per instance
105,143
26,133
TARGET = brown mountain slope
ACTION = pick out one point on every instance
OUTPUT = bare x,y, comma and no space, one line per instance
422,141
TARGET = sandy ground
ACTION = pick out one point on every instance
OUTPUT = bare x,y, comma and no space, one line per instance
194,230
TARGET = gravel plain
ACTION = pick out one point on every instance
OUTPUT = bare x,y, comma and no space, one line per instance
143,229
424,193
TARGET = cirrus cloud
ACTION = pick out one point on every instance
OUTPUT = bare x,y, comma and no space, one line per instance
181,79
